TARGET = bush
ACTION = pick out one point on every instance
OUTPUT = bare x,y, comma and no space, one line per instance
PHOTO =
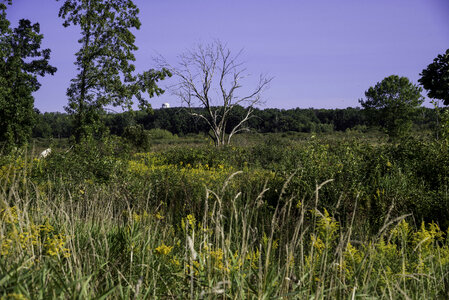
160,134
137,136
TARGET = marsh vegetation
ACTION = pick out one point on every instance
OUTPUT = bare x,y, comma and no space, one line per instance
277,217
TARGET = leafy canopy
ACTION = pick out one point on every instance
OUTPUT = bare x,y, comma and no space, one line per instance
21,61
104,61
435,78
391,104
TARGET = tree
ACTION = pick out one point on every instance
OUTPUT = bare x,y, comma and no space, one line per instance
104,62
391,104
21,61
211,77
435,78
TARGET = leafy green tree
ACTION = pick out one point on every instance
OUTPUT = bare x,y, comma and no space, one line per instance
435,78
42,129
21,61
104,62
392,103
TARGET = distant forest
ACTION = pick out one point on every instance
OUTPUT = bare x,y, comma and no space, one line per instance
178,121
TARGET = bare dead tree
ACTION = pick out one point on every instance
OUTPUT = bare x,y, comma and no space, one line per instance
210,76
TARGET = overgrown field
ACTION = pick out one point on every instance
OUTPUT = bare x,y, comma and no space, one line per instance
321,218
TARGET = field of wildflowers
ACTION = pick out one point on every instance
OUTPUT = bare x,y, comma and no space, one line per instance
317,219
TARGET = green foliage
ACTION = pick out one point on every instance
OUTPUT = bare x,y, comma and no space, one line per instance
444,124
21,62
104,61
435,78
142,139
294,122
161,134
392,104
137,136
94,222
53,124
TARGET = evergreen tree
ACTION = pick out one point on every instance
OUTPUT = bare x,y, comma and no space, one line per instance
392,103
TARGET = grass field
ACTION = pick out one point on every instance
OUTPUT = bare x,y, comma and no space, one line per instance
279,216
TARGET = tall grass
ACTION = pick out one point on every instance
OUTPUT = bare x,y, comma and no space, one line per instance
239,234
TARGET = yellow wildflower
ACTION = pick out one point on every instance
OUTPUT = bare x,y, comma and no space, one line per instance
163,249
175,261
192,220
10,215
14,296
159,216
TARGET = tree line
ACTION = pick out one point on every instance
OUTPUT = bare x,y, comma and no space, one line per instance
106,77
270,120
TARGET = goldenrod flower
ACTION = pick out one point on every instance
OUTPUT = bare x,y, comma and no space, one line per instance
159,216
163,249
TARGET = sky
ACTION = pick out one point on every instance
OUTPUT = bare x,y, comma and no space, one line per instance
320,53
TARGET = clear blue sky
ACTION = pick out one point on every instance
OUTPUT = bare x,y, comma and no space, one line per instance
321,53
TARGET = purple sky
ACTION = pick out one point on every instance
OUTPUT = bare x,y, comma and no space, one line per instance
321,53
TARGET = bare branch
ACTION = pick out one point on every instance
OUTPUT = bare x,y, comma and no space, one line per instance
210,76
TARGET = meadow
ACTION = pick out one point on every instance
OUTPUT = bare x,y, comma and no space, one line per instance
274,216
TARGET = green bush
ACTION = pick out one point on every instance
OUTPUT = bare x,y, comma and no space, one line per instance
98,217
137,136
160,134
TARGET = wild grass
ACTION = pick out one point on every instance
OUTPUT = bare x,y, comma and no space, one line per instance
151,227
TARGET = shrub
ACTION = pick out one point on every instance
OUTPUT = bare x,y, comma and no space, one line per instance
160,134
